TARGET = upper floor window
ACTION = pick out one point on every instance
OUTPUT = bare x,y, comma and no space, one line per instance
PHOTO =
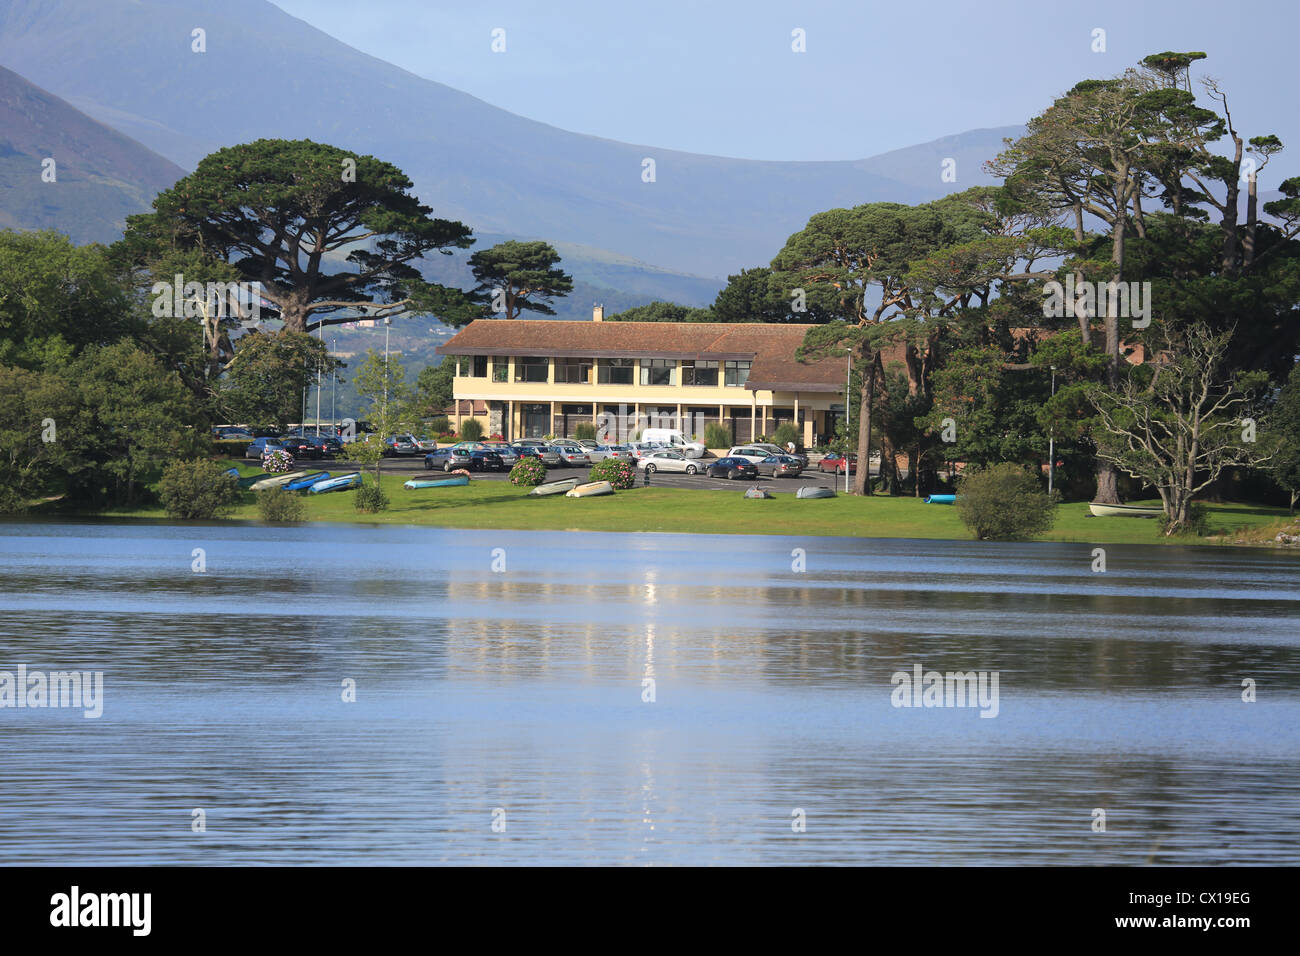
573,371
501,370
478,366
531,368
737,373
657,371
616,371
699,373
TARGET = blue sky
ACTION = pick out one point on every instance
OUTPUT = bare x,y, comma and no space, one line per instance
718,76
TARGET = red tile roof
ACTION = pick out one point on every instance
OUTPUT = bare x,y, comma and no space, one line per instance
770,347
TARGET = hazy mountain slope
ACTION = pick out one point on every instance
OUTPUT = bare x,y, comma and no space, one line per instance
129,63
100,176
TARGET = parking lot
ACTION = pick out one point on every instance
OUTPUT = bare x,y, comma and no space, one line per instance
414,465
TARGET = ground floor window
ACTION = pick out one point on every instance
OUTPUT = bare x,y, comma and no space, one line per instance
536,420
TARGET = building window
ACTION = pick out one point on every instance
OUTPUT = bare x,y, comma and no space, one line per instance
462,365
479,366
657,371
573,371
531,368
699,373
616,371
737,373
501,370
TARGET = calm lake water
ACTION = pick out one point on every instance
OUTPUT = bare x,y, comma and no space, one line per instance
514,681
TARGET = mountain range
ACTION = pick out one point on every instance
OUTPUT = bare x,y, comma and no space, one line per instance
131,64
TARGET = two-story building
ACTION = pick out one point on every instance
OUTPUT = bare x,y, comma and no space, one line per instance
539,377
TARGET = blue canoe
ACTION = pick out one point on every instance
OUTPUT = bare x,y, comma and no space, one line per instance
305,482
341,483
940,499
451,482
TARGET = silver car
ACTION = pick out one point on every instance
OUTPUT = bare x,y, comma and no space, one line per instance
509,457
601,452
571,453
532,446
668,461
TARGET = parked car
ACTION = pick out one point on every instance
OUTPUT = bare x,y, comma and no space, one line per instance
601,452
730,467
260,446
668,461
425,444
775,449
232,433
509,457
640,449
675,440
835,462
571,453
538,449
780,466
470,455
757,451
301,447
400,445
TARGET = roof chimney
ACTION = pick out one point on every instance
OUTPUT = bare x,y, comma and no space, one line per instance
598,313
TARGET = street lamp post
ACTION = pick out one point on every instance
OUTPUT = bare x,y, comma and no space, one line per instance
1051,442
387,323
848,378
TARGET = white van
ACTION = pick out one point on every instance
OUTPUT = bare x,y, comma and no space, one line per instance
674,440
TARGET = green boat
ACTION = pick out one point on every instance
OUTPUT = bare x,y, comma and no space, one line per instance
452,482
1125,511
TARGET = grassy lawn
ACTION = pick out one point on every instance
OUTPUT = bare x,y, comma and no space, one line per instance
498,504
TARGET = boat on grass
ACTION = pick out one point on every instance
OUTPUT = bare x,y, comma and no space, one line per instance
555,487
814,491
306,481
757,492
940,499
591,489
1125,511
452,482
341,483
248,481
278,481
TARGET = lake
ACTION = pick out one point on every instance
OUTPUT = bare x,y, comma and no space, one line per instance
587,698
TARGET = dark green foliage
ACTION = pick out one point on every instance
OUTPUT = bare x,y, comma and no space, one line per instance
717,436
1004,502
584,430
370,499
662,312
528,472
785,433
198,489
471,429
617,471
523,276
276,504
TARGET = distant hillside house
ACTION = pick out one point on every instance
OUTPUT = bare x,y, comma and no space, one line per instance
542,377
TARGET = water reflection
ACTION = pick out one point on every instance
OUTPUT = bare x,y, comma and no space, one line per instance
526,690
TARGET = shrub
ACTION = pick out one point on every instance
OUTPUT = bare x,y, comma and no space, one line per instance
277,461
717,436
785,433
528,472
471,429
276,504
584,430
1197,524
1004,501
370,499
617,471
439,424
197,489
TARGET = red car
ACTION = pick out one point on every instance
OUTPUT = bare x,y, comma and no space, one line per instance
835,463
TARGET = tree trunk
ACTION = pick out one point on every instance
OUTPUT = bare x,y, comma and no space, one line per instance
867,395
1107,484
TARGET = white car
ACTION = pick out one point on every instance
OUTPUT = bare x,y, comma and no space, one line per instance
668,461
755,452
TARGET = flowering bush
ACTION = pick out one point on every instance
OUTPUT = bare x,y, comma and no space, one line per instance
277,461
617,471
528,472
